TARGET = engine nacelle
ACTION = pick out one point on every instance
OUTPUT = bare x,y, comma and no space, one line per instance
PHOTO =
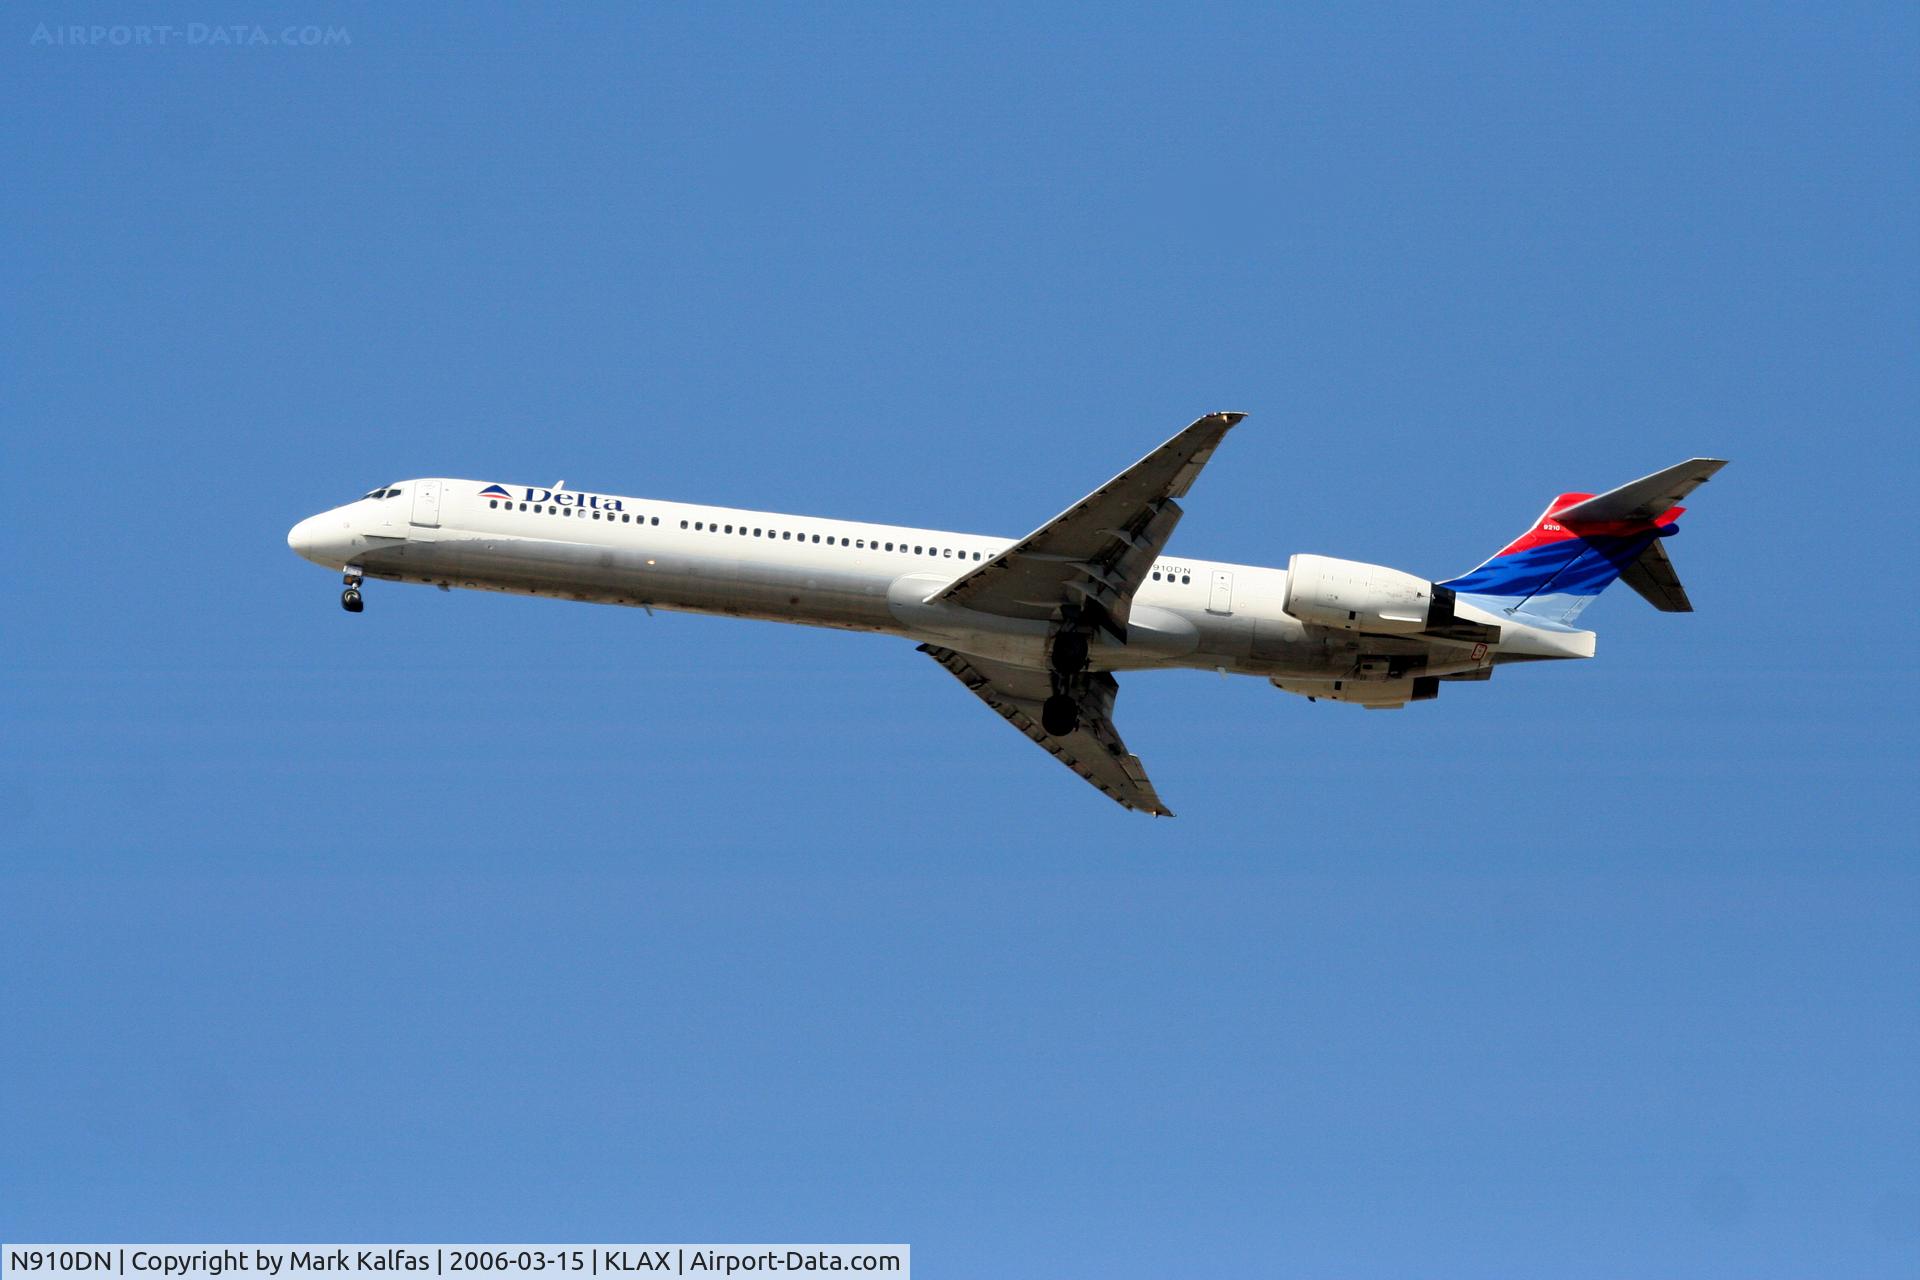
1350,596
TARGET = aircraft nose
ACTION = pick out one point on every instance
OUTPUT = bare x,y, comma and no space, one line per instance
327,539
300,537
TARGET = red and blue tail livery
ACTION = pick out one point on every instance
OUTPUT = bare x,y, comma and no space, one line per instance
1582,543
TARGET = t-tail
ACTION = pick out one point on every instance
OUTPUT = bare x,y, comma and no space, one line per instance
1583,542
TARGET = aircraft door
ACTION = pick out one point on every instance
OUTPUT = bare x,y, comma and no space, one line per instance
1221,598
426,503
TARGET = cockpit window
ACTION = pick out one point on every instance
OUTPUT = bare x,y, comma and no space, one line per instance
380,493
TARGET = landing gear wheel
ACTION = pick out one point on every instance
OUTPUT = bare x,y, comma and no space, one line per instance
350,600
1060,715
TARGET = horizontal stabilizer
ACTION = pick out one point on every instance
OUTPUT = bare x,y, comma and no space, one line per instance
1653,577
1647,498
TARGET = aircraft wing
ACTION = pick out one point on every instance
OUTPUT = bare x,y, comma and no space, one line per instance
1094,750
1092,557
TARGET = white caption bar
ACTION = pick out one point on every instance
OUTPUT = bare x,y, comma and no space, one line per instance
465,1261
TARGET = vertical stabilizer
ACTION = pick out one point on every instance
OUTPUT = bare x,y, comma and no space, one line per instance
1583,542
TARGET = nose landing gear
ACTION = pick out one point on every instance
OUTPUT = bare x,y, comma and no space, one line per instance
350,598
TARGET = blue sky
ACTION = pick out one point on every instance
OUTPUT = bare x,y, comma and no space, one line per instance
484,918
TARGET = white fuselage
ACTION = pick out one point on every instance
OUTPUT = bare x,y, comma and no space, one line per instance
845,574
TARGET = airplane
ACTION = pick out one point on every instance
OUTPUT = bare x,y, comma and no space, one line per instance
1039,628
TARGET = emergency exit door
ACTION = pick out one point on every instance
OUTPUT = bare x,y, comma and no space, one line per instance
1221,598
426,503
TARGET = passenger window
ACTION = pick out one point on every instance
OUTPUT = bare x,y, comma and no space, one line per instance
683,523
1185,580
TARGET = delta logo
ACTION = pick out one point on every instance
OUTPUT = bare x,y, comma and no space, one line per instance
558,497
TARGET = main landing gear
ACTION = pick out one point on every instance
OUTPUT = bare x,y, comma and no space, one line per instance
1060,714
350,598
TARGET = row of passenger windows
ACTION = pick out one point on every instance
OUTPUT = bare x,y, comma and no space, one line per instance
785,535
859,544
703,526
583,513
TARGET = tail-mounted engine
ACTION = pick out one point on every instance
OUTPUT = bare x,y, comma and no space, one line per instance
1349,596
